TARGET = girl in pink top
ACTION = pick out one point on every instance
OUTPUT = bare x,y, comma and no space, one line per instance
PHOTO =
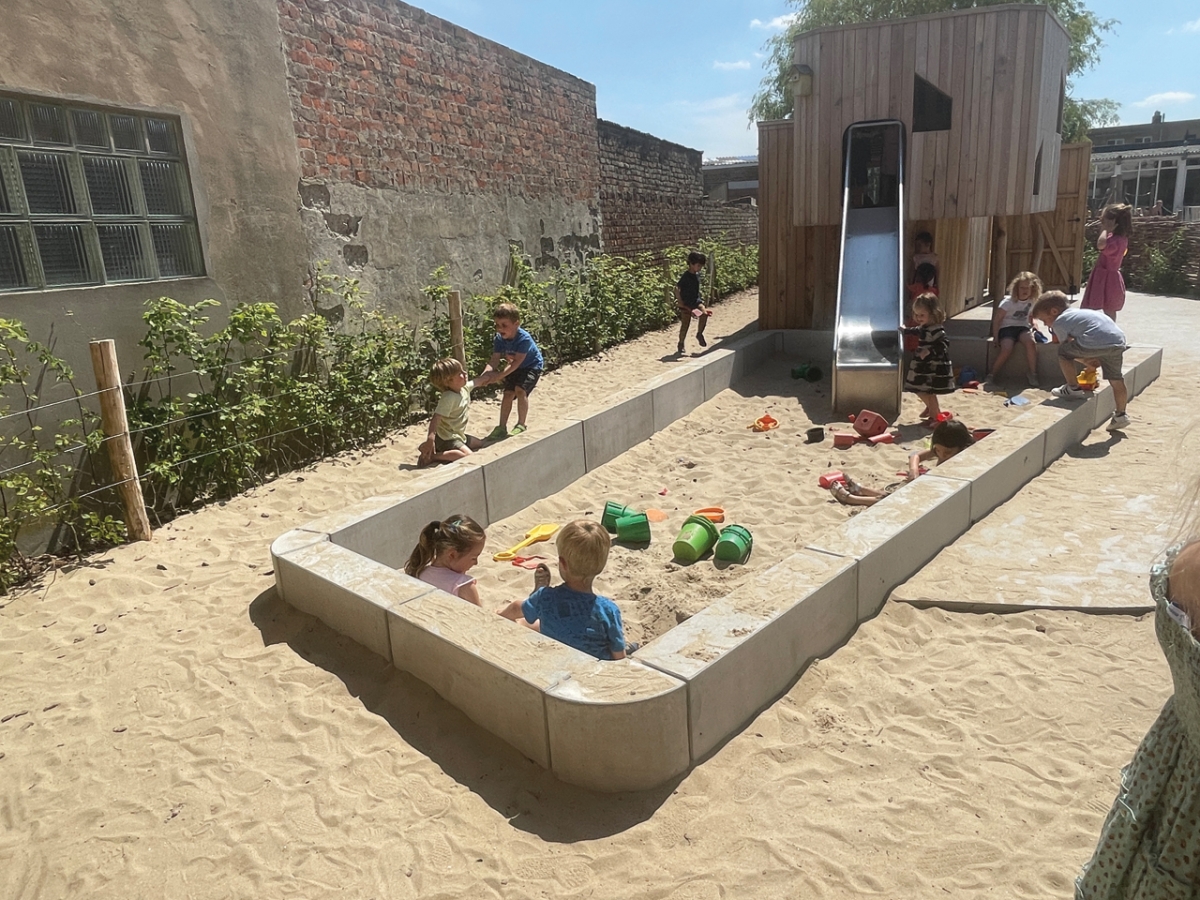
445,552
1105,286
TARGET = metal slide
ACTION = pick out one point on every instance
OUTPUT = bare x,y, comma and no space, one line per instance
867,372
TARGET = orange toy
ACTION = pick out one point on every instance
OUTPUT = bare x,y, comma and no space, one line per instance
764,423
712,513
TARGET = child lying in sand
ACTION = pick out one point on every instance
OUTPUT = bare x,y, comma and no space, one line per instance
949,439
572,612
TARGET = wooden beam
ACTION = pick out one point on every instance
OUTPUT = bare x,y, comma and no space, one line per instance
116,429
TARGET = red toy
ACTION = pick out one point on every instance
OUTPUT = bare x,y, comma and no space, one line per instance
829,479
869,424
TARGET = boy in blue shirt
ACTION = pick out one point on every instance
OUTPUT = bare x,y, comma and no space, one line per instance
572,612
523,368
1090,338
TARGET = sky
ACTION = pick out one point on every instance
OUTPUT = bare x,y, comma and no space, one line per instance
686,71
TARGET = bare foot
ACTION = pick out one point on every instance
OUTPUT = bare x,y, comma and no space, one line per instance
541,576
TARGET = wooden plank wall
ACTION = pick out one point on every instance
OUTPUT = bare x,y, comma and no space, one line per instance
797,267
1002,66
1061,230
963,247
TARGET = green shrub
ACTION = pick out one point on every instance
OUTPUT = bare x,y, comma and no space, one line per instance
1163,267
216,413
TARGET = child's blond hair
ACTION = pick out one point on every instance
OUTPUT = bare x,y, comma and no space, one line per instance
583,546
1030,278
931,305
1051,301
507,311
443,370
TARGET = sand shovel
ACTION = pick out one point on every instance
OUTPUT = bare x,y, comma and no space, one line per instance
537,533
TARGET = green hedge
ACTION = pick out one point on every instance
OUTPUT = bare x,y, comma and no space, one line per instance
216,413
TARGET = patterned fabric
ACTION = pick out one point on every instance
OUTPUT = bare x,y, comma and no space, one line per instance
932,374
1149,847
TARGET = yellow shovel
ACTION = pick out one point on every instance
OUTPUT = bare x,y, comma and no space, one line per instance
538,533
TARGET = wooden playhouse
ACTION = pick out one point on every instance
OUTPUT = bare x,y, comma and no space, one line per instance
980,95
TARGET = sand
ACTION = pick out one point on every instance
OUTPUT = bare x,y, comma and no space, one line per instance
170,728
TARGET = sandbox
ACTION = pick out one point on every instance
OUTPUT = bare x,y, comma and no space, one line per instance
637,723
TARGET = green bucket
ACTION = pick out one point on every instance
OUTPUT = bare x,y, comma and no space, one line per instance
612,512
633,529
734,544
807,371
695,538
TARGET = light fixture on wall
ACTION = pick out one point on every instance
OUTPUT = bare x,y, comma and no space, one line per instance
800,78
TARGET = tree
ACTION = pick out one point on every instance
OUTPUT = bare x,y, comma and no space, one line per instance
774,100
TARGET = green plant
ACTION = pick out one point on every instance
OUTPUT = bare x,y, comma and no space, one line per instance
218,410
1163,266
42,470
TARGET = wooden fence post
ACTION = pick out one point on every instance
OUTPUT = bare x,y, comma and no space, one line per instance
456,332
116,429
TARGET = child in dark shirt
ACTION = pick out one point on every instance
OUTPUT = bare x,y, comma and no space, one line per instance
687,300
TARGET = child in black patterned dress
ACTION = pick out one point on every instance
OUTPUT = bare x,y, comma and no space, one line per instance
929,371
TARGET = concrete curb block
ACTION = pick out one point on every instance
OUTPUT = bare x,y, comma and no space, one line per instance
637,723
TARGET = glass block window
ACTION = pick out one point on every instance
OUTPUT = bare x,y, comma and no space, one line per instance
92,196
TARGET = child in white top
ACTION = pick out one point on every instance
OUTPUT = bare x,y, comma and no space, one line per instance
444,554
1011,324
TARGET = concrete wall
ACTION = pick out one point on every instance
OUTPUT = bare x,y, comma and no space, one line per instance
213,64
422,144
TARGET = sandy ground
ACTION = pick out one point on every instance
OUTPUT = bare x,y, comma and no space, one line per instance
169,727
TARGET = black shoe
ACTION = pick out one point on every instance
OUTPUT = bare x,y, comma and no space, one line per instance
701,341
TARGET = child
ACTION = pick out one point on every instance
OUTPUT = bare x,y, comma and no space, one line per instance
448,439
924,282
445,552
923,251
949,439
929,371
1149,844
523,368
572,612
1010,324
687,300
1106,286
1091,338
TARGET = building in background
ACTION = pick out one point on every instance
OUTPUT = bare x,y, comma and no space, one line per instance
1145,164
731,178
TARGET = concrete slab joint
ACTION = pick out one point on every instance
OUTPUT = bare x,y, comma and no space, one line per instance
640,722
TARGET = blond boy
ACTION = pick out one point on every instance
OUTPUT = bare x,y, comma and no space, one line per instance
572,612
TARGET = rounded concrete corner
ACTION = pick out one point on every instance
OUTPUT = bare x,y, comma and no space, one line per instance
618,726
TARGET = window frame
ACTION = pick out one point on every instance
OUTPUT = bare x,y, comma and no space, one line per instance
160,139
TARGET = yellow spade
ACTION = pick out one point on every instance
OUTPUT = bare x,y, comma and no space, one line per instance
538,533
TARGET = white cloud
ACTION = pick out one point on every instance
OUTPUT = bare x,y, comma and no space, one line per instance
731,66
1166,98
717,126
1192,26
779,23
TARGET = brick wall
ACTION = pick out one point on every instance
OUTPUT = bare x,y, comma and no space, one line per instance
386,95
651,195
422,144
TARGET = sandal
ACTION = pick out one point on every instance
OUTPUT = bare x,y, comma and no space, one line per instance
517,429
498,433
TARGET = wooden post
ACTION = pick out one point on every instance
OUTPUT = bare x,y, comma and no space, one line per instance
999,280
116,429
456,332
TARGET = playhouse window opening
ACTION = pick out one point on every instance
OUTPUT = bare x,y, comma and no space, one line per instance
932,108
